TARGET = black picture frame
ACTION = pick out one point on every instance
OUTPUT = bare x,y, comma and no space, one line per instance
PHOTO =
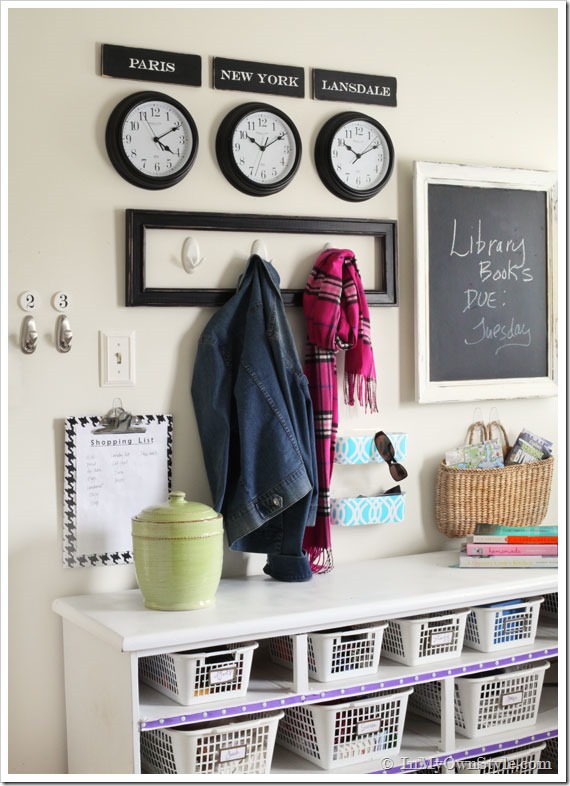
139,221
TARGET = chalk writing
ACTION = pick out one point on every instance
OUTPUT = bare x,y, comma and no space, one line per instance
493,268
513,334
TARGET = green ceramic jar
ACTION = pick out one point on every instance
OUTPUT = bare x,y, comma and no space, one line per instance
178,552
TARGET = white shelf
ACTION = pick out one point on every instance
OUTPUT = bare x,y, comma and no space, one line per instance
350,594
105,635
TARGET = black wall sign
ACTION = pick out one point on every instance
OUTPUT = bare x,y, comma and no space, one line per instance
151,65
487,283
250,77
359,88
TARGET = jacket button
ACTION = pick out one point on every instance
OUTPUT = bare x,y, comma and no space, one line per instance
277,501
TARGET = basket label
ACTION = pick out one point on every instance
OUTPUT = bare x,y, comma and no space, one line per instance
511,698
437,639
368,727
233,754
218,676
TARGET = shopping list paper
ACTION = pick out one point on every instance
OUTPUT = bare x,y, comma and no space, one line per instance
111,476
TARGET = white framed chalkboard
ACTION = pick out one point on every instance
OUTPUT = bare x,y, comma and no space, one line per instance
485,299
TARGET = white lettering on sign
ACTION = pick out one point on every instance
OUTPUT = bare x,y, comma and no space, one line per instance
368,727
514,334
355,87
233,754
236,76
151,65
498,261
281,80
511,698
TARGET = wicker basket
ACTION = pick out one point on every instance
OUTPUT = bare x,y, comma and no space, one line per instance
516,495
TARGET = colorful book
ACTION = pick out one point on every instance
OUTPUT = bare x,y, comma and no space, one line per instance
529,447
496,533
524,549
507,561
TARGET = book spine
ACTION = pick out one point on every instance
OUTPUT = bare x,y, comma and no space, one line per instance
512,539
525,539
522,549
466,561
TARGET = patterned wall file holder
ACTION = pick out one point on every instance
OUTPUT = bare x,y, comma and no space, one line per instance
364,510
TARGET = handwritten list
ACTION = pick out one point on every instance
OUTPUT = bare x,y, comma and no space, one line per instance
109,478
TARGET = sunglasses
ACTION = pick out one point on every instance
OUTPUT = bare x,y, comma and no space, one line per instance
386,450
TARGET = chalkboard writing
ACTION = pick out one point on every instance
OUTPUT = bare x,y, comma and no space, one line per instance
488,283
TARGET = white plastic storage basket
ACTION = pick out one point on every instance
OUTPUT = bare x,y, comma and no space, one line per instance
335,654
521,761
550,605
338,733
549,756
499,626
424,639
198,677
504,698
218,747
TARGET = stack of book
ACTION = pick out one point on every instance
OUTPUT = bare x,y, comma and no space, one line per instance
494,546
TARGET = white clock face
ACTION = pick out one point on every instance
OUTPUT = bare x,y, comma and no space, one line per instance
264,147
360,155
157,138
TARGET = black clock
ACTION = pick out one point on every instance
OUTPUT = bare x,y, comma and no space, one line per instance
151,140
258,149
354,156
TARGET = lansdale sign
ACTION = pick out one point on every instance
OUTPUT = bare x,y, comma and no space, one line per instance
359,88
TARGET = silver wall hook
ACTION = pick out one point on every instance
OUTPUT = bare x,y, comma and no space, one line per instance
28,335
191,254
63,334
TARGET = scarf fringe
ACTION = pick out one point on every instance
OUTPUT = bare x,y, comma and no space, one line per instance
320,559
365,389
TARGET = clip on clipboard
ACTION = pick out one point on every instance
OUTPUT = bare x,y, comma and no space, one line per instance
119,421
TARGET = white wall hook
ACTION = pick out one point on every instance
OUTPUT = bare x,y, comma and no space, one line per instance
191,255
258,247
63,334
28,335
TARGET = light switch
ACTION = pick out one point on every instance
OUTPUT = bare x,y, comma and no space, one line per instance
117,359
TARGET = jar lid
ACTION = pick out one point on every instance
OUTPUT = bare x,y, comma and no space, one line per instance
177,509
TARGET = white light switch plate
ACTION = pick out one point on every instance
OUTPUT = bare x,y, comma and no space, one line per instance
117,359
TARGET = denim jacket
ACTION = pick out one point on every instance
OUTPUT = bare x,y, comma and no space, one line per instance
255,420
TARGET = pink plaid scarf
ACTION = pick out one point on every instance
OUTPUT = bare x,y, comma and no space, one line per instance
337,318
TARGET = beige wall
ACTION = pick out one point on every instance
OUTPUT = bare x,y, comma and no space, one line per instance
474,87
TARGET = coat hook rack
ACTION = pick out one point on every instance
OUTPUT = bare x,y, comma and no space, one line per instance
191,254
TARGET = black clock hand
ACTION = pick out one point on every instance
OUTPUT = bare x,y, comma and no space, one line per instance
170,130
277,138
164,147
255,142
368,149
